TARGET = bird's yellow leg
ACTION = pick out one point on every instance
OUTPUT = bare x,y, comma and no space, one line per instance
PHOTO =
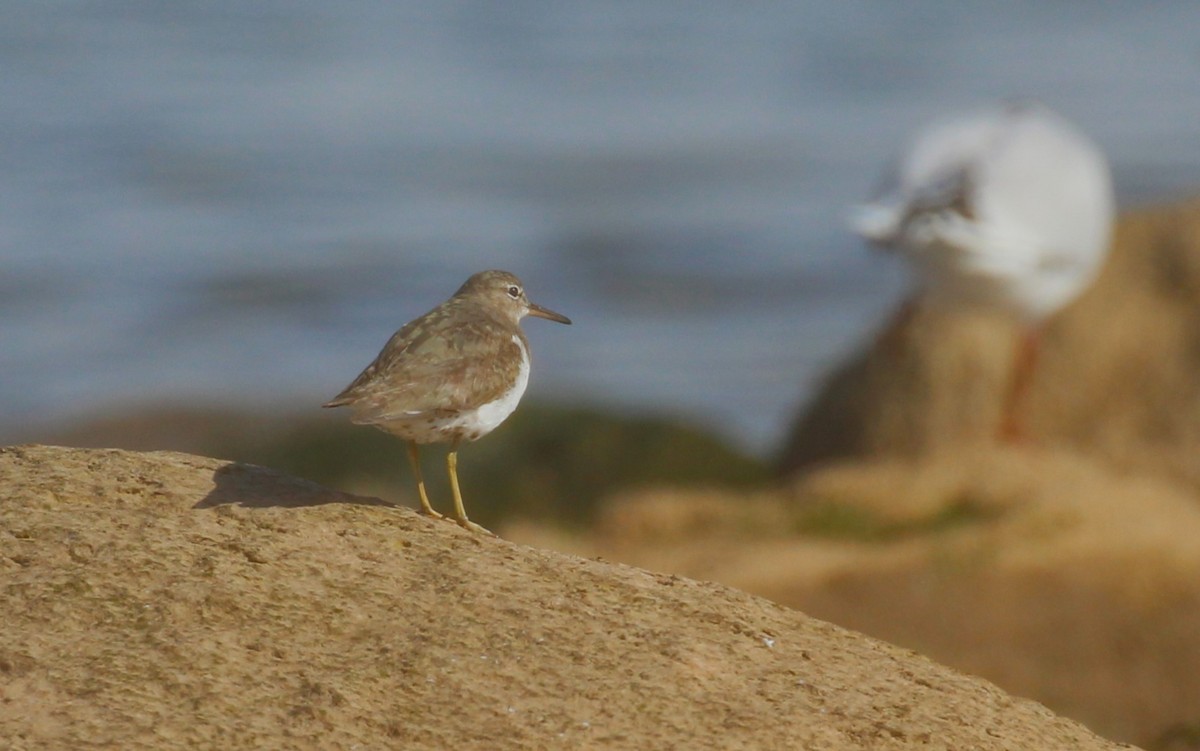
459,511
414,456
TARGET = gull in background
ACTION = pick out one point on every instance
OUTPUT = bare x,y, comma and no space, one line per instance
1009,208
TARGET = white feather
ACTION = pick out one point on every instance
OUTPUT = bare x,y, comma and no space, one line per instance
1011,208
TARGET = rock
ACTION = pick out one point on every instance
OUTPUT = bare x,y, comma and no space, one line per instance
161,600
1118,376
1046,571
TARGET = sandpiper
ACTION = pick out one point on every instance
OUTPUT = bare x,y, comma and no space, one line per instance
453,374
1009,208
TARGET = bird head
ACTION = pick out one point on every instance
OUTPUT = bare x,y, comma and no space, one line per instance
504,291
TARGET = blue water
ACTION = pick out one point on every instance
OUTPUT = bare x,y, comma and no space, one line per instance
236,203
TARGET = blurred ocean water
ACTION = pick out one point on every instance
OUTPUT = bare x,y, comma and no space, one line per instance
237,203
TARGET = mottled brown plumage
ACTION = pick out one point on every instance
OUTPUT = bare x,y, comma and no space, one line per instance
453,374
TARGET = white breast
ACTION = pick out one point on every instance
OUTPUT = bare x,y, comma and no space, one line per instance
488,417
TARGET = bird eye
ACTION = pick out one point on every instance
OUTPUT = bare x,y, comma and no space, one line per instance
514,292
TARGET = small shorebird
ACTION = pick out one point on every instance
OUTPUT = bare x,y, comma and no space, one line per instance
1009,208
453,374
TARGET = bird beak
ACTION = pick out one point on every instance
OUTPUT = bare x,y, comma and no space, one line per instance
879,222
549,315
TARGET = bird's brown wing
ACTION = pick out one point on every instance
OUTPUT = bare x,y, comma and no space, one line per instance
444,366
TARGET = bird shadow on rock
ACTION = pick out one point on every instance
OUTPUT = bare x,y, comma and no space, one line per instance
252,486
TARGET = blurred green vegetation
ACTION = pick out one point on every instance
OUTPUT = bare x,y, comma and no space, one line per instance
550,463
845,521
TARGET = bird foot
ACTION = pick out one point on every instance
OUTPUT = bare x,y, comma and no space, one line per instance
471,526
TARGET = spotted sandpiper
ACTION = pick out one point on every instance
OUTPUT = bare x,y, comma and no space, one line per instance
453,374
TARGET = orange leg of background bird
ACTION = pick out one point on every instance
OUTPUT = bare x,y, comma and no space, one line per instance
1012,429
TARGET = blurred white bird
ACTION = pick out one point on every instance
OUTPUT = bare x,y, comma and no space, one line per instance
1009,208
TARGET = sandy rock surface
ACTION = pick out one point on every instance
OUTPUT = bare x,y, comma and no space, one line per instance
1046,571
160,600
